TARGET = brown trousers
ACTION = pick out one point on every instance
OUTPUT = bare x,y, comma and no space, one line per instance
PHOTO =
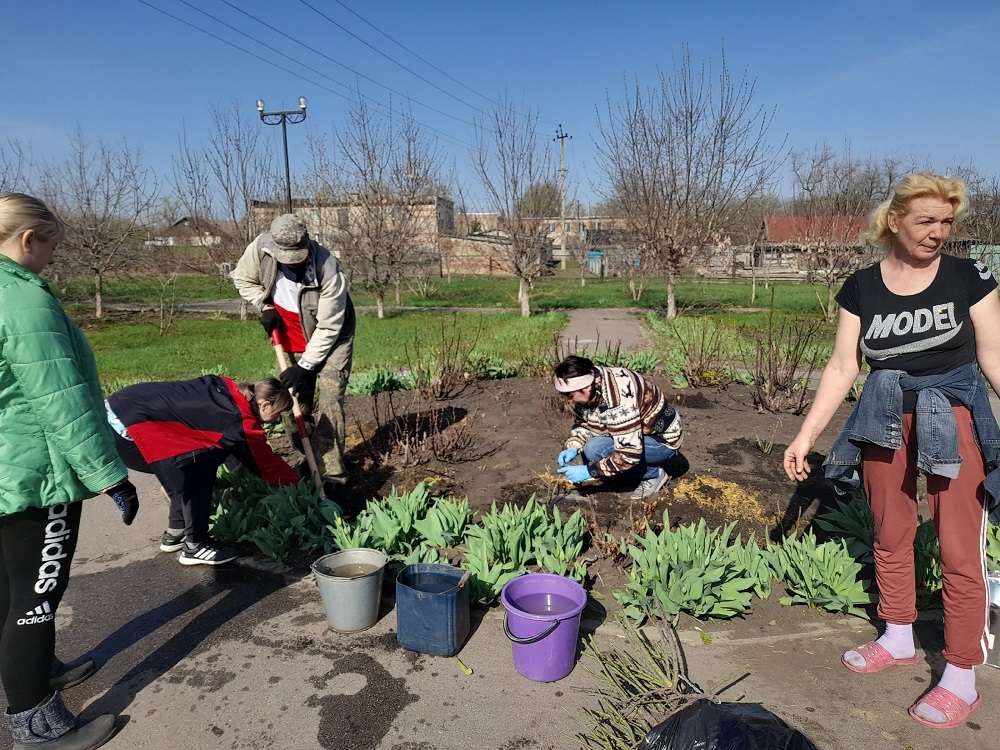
957,508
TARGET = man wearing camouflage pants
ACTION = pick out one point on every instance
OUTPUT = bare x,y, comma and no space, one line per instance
302,293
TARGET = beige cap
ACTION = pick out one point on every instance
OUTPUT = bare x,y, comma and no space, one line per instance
291,239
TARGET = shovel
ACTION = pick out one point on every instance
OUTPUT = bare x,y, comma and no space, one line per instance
300,423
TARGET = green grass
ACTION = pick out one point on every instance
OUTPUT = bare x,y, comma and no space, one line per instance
736,333
147,289
136,352
566,293
393,342
550,293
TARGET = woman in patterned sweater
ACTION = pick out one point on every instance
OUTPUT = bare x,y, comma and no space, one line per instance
623,424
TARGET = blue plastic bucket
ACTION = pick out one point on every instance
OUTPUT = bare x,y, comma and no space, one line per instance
432,608
542,622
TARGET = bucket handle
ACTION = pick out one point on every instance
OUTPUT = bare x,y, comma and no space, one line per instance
461,582
529,639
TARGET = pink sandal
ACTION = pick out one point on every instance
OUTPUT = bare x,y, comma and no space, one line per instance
877,658
953,708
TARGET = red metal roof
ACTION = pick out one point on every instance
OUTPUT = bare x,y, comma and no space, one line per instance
809,229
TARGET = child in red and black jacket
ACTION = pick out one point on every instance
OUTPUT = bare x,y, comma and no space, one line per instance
183,431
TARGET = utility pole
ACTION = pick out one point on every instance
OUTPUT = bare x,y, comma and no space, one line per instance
561,136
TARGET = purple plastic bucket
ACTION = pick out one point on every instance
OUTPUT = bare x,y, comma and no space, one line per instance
542,622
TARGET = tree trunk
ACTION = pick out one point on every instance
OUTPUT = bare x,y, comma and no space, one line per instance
98,301
671,296
524,296
398,303
380,304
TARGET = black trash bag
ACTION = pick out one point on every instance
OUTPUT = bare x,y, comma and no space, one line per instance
727,726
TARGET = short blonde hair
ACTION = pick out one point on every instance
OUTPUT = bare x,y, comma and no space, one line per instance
919,185
20,213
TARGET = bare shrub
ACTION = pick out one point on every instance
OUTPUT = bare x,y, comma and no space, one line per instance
784,361
704,352
443,370
458,443
422,432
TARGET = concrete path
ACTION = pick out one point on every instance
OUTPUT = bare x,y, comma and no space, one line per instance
602,330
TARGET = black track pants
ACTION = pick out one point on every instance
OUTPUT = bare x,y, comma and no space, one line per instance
36,546
188,480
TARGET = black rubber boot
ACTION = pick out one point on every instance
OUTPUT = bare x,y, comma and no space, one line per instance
67,675
50,725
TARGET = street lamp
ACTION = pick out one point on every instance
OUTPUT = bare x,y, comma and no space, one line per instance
281,118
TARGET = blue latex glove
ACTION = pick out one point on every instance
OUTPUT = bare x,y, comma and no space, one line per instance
567,455
576,474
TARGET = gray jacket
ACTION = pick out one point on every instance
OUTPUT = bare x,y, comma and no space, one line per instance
325,307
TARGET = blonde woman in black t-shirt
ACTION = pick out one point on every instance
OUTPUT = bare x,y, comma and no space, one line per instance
919,313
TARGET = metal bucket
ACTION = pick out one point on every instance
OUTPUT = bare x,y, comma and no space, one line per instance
350,585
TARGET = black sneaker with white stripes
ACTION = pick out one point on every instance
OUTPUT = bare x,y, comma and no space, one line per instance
170,542
209,552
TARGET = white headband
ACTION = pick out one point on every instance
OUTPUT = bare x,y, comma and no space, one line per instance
572,384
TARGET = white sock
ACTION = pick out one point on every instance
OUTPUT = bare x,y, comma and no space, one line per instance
961,682
897,640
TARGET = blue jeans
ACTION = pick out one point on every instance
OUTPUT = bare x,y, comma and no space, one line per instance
655,453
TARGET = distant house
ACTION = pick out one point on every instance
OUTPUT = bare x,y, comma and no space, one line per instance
187,232
792,244
483,254
331,222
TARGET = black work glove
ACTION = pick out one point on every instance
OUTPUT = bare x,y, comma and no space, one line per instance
127,500
292,377
270,319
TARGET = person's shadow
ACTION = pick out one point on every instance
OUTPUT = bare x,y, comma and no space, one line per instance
235,590
811,497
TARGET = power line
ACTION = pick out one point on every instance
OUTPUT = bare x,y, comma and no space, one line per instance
407,49
378,105
315,51
386,56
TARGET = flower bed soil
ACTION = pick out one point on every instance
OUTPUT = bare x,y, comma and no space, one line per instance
497,442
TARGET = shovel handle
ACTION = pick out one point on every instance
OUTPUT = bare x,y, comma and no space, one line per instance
300,423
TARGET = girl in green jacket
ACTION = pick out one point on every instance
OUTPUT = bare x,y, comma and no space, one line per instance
55,450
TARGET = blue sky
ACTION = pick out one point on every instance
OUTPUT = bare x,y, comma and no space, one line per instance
898,77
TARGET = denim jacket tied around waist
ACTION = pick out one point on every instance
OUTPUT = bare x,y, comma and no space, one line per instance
877,419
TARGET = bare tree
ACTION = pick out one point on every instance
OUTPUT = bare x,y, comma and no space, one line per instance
509,160
541,200
682,159
387,192
105,196
16,167
578,247
218,183
982,221
832,196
